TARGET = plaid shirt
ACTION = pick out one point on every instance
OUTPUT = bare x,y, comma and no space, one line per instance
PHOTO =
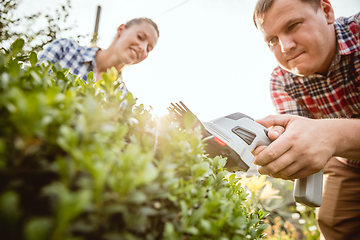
80,60
336,95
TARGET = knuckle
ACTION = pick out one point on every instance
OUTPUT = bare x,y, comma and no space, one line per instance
272,168
272,153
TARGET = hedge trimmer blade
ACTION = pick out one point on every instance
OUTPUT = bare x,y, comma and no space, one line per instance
180,110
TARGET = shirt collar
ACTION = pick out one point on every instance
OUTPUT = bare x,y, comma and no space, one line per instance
88,56
347,42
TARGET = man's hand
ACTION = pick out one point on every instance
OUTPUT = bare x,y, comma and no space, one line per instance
301,147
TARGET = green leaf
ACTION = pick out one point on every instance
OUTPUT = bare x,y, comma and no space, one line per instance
14,68
90,76
184,208
2,60
9,206
17,45
201,169
33,59
38,228
150,173
60,75
261,228
206,225
189,120
137,198
192,230
36,77
58,67
169,229
197,215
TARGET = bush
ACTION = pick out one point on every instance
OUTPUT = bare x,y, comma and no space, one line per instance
287,219
79,161
14,25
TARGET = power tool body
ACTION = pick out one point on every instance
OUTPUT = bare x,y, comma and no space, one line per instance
235,136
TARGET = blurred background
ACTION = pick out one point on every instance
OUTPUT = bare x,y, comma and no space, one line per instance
209,54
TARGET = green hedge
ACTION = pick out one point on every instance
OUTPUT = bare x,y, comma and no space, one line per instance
78,161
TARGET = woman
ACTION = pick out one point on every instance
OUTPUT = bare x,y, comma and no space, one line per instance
132,44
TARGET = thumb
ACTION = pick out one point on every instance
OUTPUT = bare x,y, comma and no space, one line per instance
275,120
275,132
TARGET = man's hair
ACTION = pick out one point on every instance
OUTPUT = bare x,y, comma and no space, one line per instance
262,6
140,20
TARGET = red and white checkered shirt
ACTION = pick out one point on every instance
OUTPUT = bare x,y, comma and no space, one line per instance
336,95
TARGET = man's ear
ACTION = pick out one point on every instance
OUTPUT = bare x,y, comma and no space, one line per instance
120,29
328,11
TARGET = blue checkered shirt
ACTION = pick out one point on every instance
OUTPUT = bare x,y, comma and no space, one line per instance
69,54
80,60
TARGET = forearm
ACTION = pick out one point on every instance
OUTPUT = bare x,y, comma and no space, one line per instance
346,132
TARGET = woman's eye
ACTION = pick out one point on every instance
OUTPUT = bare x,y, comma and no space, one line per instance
139,36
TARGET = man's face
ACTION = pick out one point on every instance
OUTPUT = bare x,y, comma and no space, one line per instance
135,42
301,38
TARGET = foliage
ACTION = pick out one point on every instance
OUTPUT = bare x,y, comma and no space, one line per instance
13,27
281,230
80,161
307,219
262,195
287,219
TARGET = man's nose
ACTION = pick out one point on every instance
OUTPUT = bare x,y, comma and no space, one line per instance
287,43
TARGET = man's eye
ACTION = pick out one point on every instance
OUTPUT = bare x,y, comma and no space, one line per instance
292,26
272,42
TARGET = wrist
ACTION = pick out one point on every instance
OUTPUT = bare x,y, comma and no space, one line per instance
345,137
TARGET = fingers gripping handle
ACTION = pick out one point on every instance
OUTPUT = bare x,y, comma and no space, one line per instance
308,191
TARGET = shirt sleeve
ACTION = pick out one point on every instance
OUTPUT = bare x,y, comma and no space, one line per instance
53,52
282,101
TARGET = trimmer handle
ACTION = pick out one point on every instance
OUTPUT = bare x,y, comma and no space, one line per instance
308,191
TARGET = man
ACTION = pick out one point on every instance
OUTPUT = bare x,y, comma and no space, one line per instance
318,78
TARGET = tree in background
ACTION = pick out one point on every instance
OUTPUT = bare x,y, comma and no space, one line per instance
27,27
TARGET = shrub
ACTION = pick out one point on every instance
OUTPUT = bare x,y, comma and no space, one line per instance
14,25
287,219
79,161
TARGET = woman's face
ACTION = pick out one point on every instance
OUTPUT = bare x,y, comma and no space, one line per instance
135,42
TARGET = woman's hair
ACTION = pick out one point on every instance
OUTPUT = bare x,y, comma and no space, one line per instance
140,20
263,6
